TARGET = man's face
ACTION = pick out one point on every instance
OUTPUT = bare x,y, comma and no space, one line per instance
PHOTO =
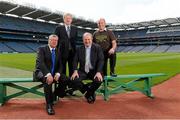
87,40
101,24
68,20
53,41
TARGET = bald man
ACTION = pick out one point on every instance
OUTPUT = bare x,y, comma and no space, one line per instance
107,40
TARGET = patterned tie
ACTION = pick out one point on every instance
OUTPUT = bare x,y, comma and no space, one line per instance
68,31
53,57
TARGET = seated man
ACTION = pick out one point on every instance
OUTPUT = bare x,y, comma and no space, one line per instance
90,59
48,70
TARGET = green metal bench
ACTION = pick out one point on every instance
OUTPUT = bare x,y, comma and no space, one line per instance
4,82
129,85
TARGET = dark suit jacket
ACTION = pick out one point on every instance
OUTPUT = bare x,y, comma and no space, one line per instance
96,56
64,40
44,62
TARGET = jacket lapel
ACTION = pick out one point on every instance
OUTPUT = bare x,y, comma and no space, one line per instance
48,54
92,57
83,54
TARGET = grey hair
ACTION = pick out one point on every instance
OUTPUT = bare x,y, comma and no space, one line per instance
67,14
52,36
87,34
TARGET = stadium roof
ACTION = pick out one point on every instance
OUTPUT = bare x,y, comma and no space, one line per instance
29,11
147,24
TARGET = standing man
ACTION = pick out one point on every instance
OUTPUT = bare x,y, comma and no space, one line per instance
90,59
107,40
48,70
67,40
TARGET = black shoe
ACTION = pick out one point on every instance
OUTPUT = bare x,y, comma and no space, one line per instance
70,92
113,74
94,97
90,98
50,109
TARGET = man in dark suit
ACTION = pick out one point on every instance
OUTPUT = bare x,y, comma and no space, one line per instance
67,40
90,59
48,65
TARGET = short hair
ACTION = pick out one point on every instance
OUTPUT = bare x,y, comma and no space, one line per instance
87,34
67,14
52,36
100,20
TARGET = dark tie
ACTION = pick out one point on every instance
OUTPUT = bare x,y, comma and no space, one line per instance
53,57
68,31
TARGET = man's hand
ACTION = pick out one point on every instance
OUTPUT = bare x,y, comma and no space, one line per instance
49,79
98,76
111,51
74,75
56,77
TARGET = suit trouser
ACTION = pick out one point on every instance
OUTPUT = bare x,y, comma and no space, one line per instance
77,83
68,60
112,58
49,94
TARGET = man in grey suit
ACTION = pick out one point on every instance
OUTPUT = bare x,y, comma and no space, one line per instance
67,35
91,60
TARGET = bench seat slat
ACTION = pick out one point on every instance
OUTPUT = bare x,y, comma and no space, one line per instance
134,76
9,80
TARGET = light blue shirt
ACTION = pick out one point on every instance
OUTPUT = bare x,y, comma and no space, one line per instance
88,59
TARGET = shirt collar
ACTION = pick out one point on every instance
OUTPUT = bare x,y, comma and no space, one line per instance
51,48
67,26
105,29
89,47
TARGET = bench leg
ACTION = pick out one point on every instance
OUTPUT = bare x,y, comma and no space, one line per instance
105,93
2,94
148,88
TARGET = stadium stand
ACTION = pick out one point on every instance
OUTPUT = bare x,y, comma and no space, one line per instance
18,47
24,28
136,49
174,48
162,48
148,48
4,48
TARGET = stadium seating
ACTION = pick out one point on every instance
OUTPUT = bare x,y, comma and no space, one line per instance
174,48
23,35
32,45
136,49
18,24
148,48
18,47
4,48
162,48
127,48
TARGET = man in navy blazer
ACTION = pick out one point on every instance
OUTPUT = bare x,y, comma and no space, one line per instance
49,70
91,60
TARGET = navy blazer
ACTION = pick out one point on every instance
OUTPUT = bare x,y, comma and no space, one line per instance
44,61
